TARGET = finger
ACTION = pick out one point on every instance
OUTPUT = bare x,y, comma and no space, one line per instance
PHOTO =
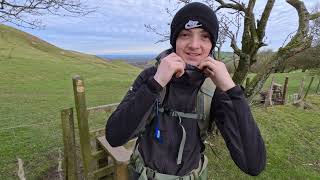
179,69
182,62
203,65
210,58
179,72
209,72
206,73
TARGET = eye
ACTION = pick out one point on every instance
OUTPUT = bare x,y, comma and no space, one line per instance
205,36
184,34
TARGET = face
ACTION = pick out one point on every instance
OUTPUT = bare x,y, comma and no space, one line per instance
193,45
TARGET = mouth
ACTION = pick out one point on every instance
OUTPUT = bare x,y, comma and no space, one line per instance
193,54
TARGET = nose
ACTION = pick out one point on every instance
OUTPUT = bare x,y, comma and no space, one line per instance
194,42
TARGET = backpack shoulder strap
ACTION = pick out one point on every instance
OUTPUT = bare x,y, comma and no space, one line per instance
150,114
204,99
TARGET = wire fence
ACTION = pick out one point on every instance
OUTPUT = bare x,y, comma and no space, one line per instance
37,144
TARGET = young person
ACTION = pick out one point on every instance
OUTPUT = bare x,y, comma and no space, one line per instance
162,108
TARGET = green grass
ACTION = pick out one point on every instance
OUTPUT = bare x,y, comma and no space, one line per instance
35,84
292,140
294,82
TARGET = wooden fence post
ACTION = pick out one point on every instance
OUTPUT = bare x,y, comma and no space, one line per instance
21,173
82,116
318,87
301,88
305,96
70,156
247,82
285,90
268,100
121,172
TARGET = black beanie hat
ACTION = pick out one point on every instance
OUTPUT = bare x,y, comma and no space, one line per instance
194,15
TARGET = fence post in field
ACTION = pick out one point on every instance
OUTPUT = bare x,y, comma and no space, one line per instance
70,158
285,90
305,96
247,82
21,173
82,116
301,88
318,87
268,100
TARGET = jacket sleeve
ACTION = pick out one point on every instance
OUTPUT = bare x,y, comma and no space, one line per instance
131,114
239,130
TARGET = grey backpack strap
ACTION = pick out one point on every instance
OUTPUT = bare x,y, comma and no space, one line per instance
173,113
204,99
182,142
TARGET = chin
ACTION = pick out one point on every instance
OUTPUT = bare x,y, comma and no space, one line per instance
194,62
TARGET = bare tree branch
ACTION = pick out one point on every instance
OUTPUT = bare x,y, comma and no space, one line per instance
25,12
165,35
224,30
235,6
300,41
314,16
288,36
315,26
262,23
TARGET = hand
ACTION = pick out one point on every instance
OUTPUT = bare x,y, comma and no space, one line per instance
170,65
217,72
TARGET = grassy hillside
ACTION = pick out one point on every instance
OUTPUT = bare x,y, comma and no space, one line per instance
292,140
35,84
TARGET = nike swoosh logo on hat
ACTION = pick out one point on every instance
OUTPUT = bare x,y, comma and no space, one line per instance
192,24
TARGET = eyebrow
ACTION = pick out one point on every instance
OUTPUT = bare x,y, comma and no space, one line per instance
202,30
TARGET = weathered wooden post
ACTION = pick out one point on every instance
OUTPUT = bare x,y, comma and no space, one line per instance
82,116
21,173
305,96
268,100
121,172
285,90
318,87
301,88
247,82
69,142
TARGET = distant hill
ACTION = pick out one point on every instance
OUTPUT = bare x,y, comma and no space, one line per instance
147,60
18,43
131,58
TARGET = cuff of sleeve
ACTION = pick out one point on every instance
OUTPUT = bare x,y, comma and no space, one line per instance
235,91
153,85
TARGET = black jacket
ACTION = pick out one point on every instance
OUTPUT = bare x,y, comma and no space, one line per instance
230,109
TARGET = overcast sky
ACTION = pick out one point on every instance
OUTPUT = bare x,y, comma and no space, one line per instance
118,26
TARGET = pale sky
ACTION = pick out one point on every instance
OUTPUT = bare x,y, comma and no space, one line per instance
118,26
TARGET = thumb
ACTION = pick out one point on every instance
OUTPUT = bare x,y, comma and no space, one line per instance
179,73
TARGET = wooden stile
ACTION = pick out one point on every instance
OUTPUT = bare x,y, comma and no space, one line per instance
99,159
82,116
70,158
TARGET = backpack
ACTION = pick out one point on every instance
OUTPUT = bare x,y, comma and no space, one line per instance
204,98
201,114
